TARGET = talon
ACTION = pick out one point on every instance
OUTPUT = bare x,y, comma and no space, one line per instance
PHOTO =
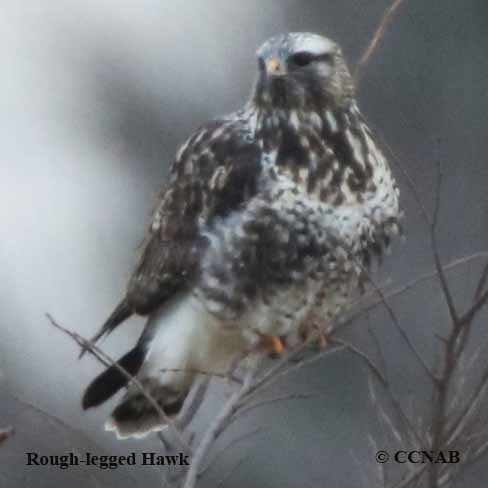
308,332
312,333
322,341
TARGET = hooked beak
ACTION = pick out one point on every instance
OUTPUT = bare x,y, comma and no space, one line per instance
274,67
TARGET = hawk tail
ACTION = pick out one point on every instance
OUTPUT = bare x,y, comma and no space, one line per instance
122,312
173,336
181,340
136,415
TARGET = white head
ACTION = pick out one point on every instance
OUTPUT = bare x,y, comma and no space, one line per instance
299,68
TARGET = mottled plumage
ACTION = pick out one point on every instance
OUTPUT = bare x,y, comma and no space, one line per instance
269,215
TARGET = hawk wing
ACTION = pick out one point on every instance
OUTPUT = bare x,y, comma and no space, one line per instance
215,170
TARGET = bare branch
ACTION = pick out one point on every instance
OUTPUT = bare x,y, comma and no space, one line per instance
383,414
481,283
435,250
213,429
472,456
476,307
107,360
408,180
411,477
406,287
456,427
373,368
192,404
453,348
393,399
229,446
377,37
270,375
211,374
53,418
270,401
360,466
380,466
233,470
277,372
402,332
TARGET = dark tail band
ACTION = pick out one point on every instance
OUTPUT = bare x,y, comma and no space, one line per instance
112,379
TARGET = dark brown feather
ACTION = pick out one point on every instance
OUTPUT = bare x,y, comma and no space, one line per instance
211,177
112,379
121,313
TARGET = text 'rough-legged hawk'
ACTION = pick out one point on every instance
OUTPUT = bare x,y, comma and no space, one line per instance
269,215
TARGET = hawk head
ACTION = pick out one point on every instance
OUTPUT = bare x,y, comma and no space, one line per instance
300,70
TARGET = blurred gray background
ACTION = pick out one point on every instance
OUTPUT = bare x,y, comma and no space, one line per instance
95,97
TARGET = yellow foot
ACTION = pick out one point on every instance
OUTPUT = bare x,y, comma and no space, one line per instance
273,345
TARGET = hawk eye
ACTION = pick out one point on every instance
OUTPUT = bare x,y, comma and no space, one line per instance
302,59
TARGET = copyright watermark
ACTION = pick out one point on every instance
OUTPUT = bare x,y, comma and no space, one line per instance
382,457
419,457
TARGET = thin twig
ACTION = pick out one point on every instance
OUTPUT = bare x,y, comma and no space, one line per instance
383,414
227,447
53,418
214,427
374,369
211,374
270,401
377,37
406,287
102,356
435,250
233,470
50,417
481,283
455,429
410,477
402,332
192,404
476,307
451,355
380,466
396,404
277,372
